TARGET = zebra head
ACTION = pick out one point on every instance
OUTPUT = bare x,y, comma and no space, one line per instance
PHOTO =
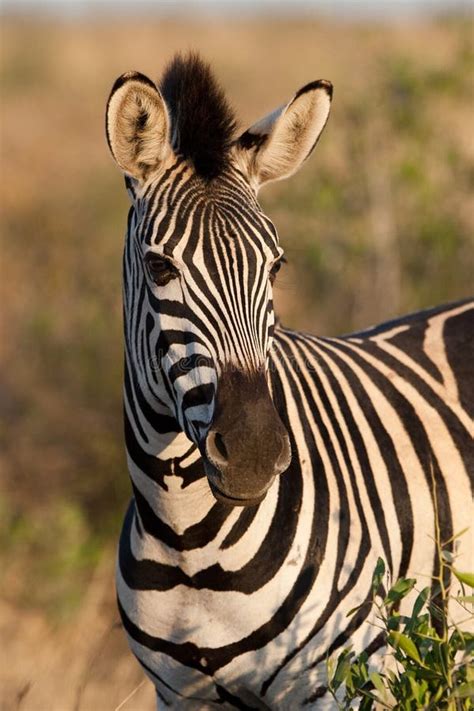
200,259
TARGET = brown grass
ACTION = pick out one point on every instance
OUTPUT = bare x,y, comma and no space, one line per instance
81,665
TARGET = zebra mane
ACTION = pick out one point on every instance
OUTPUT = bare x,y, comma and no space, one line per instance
202,121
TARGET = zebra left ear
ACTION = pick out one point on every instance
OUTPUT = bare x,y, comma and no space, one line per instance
137,125
275,147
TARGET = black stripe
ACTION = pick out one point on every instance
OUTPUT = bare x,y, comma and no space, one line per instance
153,467
234,701
253,575
459,341
196,536
160,680
240,527
335,595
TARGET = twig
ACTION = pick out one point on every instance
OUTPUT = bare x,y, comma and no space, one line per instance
93,658
132,693
22,693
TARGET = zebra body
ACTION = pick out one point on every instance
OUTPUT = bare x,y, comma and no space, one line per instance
270,468
255,607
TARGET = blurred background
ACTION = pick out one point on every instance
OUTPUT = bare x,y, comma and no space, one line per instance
377,223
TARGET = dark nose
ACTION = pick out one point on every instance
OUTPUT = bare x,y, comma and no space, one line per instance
247,445
270,444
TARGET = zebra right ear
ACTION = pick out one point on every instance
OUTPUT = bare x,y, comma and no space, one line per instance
137,125
277,145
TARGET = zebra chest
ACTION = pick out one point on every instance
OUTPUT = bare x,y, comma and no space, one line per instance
194,618
196,600
194,649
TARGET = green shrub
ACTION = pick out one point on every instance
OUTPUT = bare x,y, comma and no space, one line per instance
433,667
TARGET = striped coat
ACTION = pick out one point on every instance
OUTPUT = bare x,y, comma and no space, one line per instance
248,603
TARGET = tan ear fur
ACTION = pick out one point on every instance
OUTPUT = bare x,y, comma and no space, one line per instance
275,147
137,125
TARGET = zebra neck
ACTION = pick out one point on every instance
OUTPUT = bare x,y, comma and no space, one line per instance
170,487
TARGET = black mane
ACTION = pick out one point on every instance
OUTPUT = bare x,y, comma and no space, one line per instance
202,122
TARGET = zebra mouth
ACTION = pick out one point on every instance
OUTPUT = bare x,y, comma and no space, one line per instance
232,500
212,472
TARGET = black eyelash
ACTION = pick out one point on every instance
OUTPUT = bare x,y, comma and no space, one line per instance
160,269
276,268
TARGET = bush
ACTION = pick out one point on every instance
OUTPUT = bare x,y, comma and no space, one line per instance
433,657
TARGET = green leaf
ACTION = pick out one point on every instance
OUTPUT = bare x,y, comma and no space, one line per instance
377,681
379,572
420,602
465,598
367,703
425,672
393,622
447,556
398,640
342,669
400,590
467,578
465,691
392,676
415,689
330,665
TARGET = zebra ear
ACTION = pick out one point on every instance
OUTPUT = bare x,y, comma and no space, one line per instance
275,147
137,125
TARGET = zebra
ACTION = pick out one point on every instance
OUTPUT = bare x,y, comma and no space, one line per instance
270,468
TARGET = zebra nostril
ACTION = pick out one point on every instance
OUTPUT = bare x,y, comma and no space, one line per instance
216,449
220,446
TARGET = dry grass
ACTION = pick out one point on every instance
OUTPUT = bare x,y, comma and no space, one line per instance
378,222
81,665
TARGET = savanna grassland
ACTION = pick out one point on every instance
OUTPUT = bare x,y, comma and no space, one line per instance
378,222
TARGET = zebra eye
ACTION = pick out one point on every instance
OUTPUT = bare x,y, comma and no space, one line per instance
276,268
160,269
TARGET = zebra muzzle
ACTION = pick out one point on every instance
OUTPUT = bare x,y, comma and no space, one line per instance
247,446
